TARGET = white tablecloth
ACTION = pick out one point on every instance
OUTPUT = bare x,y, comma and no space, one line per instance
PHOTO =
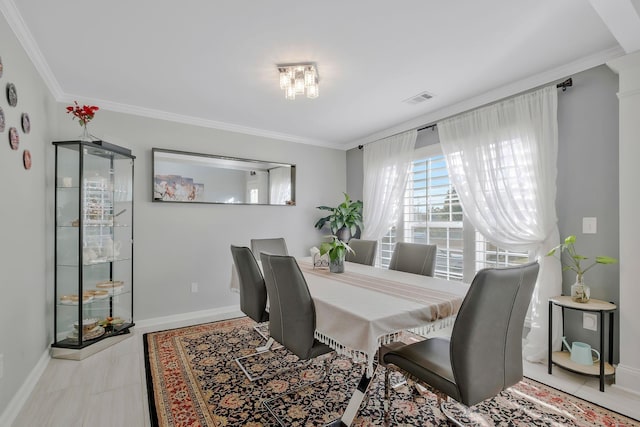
355,319
365,307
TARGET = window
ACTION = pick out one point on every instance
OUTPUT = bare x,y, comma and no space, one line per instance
432,214
489,255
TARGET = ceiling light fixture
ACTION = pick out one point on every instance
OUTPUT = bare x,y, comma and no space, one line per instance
299,79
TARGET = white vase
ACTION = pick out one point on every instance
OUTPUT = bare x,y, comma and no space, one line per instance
579,291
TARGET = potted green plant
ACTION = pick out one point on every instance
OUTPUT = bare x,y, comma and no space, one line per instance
337,250
344,219
573,261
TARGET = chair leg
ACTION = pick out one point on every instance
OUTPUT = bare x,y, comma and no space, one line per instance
387,380
238,361
460,415
400,384
258,327
267,403
266,347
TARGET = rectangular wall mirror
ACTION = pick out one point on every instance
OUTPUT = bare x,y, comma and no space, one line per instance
184,177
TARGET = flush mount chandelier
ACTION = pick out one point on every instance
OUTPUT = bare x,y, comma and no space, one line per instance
299,79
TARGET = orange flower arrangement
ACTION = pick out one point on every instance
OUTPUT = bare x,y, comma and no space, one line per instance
84,114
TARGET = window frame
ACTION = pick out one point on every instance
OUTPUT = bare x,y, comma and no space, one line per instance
470,243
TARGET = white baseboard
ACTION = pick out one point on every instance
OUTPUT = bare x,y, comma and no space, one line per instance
20,398
12,410
187,319
628,379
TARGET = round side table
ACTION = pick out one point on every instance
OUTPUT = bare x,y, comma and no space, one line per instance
562,358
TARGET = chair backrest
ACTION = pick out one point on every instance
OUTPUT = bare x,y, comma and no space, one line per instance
275,246
292,313
365,251
253,292
486,341
414,258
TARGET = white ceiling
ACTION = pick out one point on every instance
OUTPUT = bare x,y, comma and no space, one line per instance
212,62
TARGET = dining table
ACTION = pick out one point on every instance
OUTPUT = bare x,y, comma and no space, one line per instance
366,307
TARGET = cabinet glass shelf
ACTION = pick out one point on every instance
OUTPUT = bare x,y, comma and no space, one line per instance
93,243
94,262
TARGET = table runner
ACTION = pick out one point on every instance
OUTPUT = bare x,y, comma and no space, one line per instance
442,304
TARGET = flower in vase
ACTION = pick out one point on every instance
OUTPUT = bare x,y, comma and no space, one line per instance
84,114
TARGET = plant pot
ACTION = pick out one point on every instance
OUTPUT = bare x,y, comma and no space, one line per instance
337,265
344,234
579,291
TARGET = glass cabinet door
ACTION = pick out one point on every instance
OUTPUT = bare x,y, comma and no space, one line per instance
94,243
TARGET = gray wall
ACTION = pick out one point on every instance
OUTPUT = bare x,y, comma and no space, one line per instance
354,174
175,243
588,185
25,315
587,182
180,243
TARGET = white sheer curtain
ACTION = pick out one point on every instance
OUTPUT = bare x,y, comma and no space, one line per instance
280,185
502,160
386,165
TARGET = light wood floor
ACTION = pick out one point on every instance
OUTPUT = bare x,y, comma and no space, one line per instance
108,389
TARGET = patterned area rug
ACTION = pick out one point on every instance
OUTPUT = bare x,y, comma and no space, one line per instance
193,380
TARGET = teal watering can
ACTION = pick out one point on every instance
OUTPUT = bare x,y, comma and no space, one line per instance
581,352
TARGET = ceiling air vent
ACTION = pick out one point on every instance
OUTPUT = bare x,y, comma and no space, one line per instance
417,99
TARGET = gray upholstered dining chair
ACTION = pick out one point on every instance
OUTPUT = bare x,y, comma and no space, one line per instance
292,312
365,251
253,296
414,258
483,356
253,291
276,246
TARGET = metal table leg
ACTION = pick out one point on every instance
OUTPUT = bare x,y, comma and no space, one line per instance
602,350
550,339
354,403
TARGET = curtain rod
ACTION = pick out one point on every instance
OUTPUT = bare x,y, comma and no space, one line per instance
564,85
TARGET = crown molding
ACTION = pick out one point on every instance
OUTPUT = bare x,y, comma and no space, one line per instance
17,24
20,29
196,121
497,94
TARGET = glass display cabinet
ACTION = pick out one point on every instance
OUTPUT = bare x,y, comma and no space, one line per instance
93,244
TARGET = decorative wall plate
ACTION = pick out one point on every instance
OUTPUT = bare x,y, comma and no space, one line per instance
14,138
26,123
26,159
1,120
12,94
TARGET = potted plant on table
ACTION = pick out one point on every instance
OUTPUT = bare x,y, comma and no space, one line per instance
344,219
337,250
579,291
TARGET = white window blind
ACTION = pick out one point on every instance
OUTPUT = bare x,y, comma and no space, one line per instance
431,214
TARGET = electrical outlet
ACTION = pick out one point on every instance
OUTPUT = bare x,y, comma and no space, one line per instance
1,365
590,321
194,287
